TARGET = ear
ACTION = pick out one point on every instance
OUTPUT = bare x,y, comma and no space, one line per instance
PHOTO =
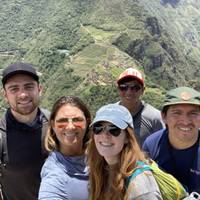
143,90
163,117
126,139
4,94
40,88
52,123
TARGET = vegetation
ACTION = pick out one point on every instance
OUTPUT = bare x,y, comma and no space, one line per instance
81,46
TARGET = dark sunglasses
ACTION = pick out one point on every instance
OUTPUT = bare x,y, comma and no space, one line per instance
112,129
133,87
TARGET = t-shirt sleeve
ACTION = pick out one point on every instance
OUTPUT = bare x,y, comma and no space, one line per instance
144,187
52,186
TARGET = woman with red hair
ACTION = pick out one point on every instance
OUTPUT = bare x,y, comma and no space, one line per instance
113,153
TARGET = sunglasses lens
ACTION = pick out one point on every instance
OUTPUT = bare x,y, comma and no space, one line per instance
123,87
97,129
113,130
135,88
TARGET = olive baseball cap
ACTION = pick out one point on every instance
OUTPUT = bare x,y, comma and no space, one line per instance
115,114
182,95
19,68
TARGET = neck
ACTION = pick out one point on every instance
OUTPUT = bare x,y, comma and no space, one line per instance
26,119
72,151
177,144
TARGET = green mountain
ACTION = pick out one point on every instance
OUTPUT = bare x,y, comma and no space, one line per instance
81,46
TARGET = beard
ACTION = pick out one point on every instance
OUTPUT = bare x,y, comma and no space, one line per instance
25,110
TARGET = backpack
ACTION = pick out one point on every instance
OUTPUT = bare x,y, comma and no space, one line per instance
3,141
170,187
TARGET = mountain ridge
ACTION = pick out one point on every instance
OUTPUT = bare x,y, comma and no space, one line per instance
82,46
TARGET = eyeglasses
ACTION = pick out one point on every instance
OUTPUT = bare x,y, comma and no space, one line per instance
76,121
132,87
112,129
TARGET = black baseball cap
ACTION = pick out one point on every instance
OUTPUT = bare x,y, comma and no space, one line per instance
19,68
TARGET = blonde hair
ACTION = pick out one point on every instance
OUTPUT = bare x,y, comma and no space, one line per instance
99,169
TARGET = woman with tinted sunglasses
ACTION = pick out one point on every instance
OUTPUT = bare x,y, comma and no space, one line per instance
113,153
64,174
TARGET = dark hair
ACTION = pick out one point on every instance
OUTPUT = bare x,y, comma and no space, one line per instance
165,109
51,141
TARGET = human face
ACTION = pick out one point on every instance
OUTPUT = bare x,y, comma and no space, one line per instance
183,121
130,96
70,127
22,94
110,146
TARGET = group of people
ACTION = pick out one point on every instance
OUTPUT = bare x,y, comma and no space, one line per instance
65,154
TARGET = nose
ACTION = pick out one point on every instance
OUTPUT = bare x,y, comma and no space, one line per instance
23,93
186,119
106,133
70,125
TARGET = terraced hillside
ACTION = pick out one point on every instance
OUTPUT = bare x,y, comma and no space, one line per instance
81,46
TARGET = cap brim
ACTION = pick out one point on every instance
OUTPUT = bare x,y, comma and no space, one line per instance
9,75
130,76
181,102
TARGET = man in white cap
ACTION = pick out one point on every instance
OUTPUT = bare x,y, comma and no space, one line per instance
146,118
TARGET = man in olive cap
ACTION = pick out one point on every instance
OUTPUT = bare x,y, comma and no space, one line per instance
176,149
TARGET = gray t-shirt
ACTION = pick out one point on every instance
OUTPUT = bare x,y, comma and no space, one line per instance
147,121
144,187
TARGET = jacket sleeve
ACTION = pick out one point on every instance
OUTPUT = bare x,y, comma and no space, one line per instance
144,187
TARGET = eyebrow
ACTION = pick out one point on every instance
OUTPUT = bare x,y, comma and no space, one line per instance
17,85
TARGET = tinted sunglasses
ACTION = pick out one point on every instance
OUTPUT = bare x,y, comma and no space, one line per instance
64,122
133,87
112,129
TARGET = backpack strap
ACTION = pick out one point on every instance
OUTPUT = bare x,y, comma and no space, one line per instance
141,167
46,114
3,141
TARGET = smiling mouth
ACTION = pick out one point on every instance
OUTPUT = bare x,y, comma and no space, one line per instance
105,144
184,129
69,134
24,103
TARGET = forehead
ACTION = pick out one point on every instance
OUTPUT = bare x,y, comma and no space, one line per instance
19,79
184,107
69,111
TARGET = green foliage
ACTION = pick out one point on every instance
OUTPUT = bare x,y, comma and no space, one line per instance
101,39
97,95
155,96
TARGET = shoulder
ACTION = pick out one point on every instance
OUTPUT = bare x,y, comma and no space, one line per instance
155,137
152,142
149,110
144,185
51,165
3,122
46,113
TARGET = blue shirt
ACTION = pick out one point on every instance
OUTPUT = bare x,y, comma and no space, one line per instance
182,164
64,178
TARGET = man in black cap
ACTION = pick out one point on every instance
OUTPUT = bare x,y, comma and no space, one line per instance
21,131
